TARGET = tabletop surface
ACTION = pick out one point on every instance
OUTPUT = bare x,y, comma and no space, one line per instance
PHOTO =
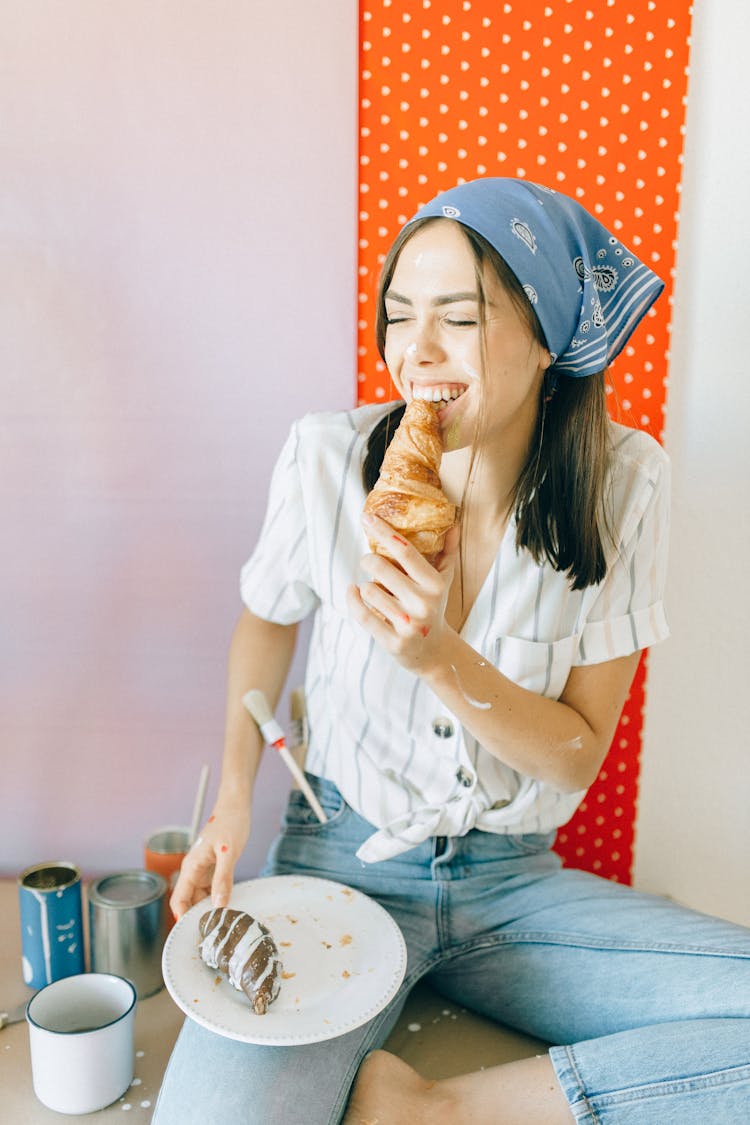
425,1037
157,1022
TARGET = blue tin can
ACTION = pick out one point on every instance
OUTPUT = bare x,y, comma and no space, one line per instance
51,922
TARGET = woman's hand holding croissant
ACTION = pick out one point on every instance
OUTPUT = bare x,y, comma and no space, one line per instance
403,605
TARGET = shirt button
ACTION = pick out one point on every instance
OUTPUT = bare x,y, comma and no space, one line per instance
442,727
464,777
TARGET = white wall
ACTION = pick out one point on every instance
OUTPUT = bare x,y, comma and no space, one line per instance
178,265
693,839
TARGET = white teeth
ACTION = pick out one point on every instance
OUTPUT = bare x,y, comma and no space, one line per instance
437,394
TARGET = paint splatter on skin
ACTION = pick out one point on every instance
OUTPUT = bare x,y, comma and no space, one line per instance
452,435
574,744
469,699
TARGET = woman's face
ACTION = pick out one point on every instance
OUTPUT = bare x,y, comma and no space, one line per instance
432,343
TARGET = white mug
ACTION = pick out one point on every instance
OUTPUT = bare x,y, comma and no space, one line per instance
81,1040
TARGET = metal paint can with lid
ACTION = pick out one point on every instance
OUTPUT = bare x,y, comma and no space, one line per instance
51,922
128,927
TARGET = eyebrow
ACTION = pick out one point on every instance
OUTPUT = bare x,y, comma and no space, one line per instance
444,299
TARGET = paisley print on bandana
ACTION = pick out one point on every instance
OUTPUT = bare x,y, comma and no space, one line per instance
588,290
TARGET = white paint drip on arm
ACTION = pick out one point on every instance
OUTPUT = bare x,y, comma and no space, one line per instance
574,744
469,698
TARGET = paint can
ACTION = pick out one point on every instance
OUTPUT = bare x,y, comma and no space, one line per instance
164,851
51,922
128,927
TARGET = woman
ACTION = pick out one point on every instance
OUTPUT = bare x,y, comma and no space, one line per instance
458,712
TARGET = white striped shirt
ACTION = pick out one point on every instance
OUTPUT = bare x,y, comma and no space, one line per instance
400,758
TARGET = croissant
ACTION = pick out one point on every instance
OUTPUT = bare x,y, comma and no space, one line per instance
243,949
407,494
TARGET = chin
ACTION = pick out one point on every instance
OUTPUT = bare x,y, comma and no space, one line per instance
453,434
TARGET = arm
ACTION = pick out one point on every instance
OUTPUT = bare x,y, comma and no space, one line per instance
560,741
259,657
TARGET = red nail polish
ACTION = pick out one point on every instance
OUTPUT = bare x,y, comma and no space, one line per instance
224,848
211,819
406,618
425,630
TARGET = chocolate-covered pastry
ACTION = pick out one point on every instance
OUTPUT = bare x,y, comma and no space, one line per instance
243,949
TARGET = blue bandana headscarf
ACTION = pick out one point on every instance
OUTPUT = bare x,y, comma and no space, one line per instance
588,290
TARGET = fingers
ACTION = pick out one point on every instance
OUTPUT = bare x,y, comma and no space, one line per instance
370,618
397,548
403,605
207,869
221,884
184,895
194,882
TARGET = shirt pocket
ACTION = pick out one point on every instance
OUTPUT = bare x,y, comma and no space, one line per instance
539,666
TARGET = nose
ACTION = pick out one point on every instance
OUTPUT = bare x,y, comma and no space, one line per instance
425,346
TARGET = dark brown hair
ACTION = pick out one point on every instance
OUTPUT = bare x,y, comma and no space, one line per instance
560,497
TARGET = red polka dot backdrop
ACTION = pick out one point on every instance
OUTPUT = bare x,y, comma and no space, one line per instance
585,98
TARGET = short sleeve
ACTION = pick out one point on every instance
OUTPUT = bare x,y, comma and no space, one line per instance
276,581
628,613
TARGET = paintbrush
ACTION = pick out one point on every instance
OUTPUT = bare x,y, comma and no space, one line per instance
256,703
298,726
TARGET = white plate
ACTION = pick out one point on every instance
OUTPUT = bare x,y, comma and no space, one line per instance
344,958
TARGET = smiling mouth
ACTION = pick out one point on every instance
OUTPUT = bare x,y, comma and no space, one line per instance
441,392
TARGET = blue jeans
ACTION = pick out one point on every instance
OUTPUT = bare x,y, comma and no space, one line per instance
652,1000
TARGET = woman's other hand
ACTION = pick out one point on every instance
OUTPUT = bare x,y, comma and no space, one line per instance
208,868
